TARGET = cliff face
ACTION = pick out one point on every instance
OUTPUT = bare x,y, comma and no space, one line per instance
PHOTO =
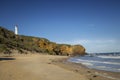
9,41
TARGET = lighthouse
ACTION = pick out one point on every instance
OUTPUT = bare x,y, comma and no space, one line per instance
16,29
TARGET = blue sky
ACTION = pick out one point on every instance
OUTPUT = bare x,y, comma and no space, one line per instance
93,23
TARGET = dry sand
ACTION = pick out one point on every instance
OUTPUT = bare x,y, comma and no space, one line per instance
35,67
43,67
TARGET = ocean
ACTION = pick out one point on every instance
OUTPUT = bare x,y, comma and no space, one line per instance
100,62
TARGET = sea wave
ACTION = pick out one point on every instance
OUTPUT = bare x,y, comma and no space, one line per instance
101,62
112,57
91,61
88,64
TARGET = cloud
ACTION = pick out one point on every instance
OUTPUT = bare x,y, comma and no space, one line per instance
93,46
89,41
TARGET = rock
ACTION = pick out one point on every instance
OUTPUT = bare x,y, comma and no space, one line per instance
94,75
89,71
49,63
76,70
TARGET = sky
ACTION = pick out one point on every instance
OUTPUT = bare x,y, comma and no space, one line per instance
95,24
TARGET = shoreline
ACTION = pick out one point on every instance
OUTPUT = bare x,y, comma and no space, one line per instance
48,67
92,74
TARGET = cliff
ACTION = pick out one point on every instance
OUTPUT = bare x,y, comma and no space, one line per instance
9,42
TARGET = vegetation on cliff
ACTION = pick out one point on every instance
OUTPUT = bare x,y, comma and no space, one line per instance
9,42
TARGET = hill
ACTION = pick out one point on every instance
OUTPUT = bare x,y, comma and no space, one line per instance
9,42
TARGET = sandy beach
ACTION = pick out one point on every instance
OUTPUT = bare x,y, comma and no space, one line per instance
48,67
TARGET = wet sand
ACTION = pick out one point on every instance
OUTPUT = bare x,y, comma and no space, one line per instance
46,67
91,74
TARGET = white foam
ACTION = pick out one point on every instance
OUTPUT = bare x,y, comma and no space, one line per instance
113,57
88,64
80,60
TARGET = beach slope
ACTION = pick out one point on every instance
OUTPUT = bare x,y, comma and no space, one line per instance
35,67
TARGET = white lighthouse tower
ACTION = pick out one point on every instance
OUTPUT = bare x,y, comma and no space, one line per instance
16,29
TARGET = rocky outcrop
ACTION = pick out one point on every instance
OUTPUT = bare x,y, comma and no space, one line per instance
9,41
